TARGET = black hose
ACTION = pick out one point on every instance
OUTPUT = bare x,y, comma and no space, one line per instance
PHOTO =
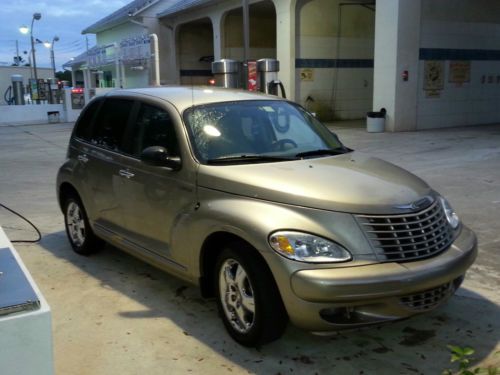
10,100
29,222
283,93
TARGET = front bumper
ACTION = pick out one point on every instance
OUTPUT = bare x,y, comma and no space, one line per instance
340,298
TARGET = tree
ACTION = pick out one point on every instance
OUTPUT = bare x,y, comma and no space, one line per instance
64,76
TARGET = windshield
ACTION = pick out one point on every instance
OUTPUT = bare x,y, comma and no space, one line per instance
257,131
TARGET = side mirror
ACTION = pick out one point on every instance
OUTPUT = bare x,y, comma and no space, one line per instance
158,156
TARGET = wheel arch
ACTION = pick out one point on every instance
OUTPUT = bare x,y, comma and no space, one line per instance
65,190
211,248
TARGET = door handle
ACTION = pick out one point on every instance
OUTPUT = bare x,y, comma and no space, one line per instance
83,158
126,174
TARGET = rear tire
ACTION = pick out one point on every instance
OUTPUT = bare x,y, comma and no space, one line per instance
247,297
80,234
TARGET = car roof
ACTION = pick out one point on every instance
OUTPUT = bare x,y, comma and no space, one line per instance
184,97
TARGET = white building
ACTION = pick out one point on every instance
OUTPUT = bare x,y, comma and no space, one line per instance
429,63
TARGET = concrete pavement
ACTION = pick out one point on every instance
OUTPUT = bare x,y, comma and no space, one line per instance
113,314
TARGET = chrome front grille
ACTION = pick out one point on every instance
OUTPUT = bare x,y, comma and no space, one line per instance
428,299
408,237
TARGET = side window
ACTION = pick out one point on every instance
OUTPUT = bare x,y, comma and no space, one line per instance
153,127
84,125
110,124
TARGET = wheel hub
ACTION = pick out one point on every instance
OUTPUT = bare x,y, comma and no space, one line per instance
236,295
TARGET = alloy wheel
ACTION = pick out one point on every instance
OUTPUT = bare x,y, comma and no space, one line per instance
76,224
237,297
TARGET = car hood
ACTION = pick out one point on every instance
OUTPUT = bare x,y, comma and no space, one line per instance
352,182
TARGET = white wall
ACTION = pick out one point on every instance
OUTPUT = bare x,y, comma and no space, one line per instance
29,114
465,26
344,92
116,34
137,78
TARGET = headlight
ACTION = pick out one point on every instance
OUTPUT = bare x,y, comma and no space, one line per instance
307,248
450,213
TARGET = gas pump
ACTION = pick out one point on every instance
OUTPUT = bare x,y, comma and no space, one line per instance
77,98
38,89
15,93
227,73
267,77
18,89
54,92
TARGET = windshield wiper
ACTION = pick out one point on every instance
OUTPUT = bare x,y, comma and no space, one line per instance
247,158
323,151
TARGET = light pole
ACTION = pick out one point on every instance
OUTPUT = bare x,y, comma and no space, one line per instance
51,46
24,30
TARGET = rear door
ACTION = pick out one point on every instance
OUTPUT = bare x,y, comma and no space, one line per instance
79,152
105,162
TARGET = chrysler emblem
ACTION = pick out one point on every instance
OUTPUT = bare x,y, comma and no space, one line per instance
417,205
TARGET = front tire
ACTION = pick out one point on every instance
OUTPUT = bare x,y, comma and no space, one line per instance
247,297
80,234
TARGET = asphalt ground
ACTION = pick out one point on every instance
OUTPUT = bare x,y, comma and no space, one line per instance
113,314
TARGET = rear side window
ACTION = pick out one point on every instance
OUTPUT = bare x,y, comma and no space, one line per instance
153,127
110,124
84,125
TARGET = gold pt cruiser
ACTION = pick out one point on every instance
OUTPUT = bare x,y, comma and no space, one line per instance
251,198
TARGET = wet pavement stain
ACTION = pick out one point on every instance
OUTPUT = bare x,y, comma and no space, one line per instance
179,292
416,337
382,349
304,359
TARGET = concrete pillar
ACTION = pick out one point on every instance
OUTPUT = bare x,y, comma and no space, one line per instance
169,74
87,84
73,77
86,80
217,20
176,59
285,43
397,44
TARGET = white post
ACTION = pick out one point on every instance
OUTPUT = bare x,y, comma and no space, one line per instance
156,59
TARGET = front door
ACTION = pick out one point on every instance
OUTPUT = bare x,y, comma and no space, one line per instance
154,199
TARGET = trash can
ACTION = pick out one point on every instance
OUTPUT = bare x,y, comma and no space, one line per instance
53,117
375,121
